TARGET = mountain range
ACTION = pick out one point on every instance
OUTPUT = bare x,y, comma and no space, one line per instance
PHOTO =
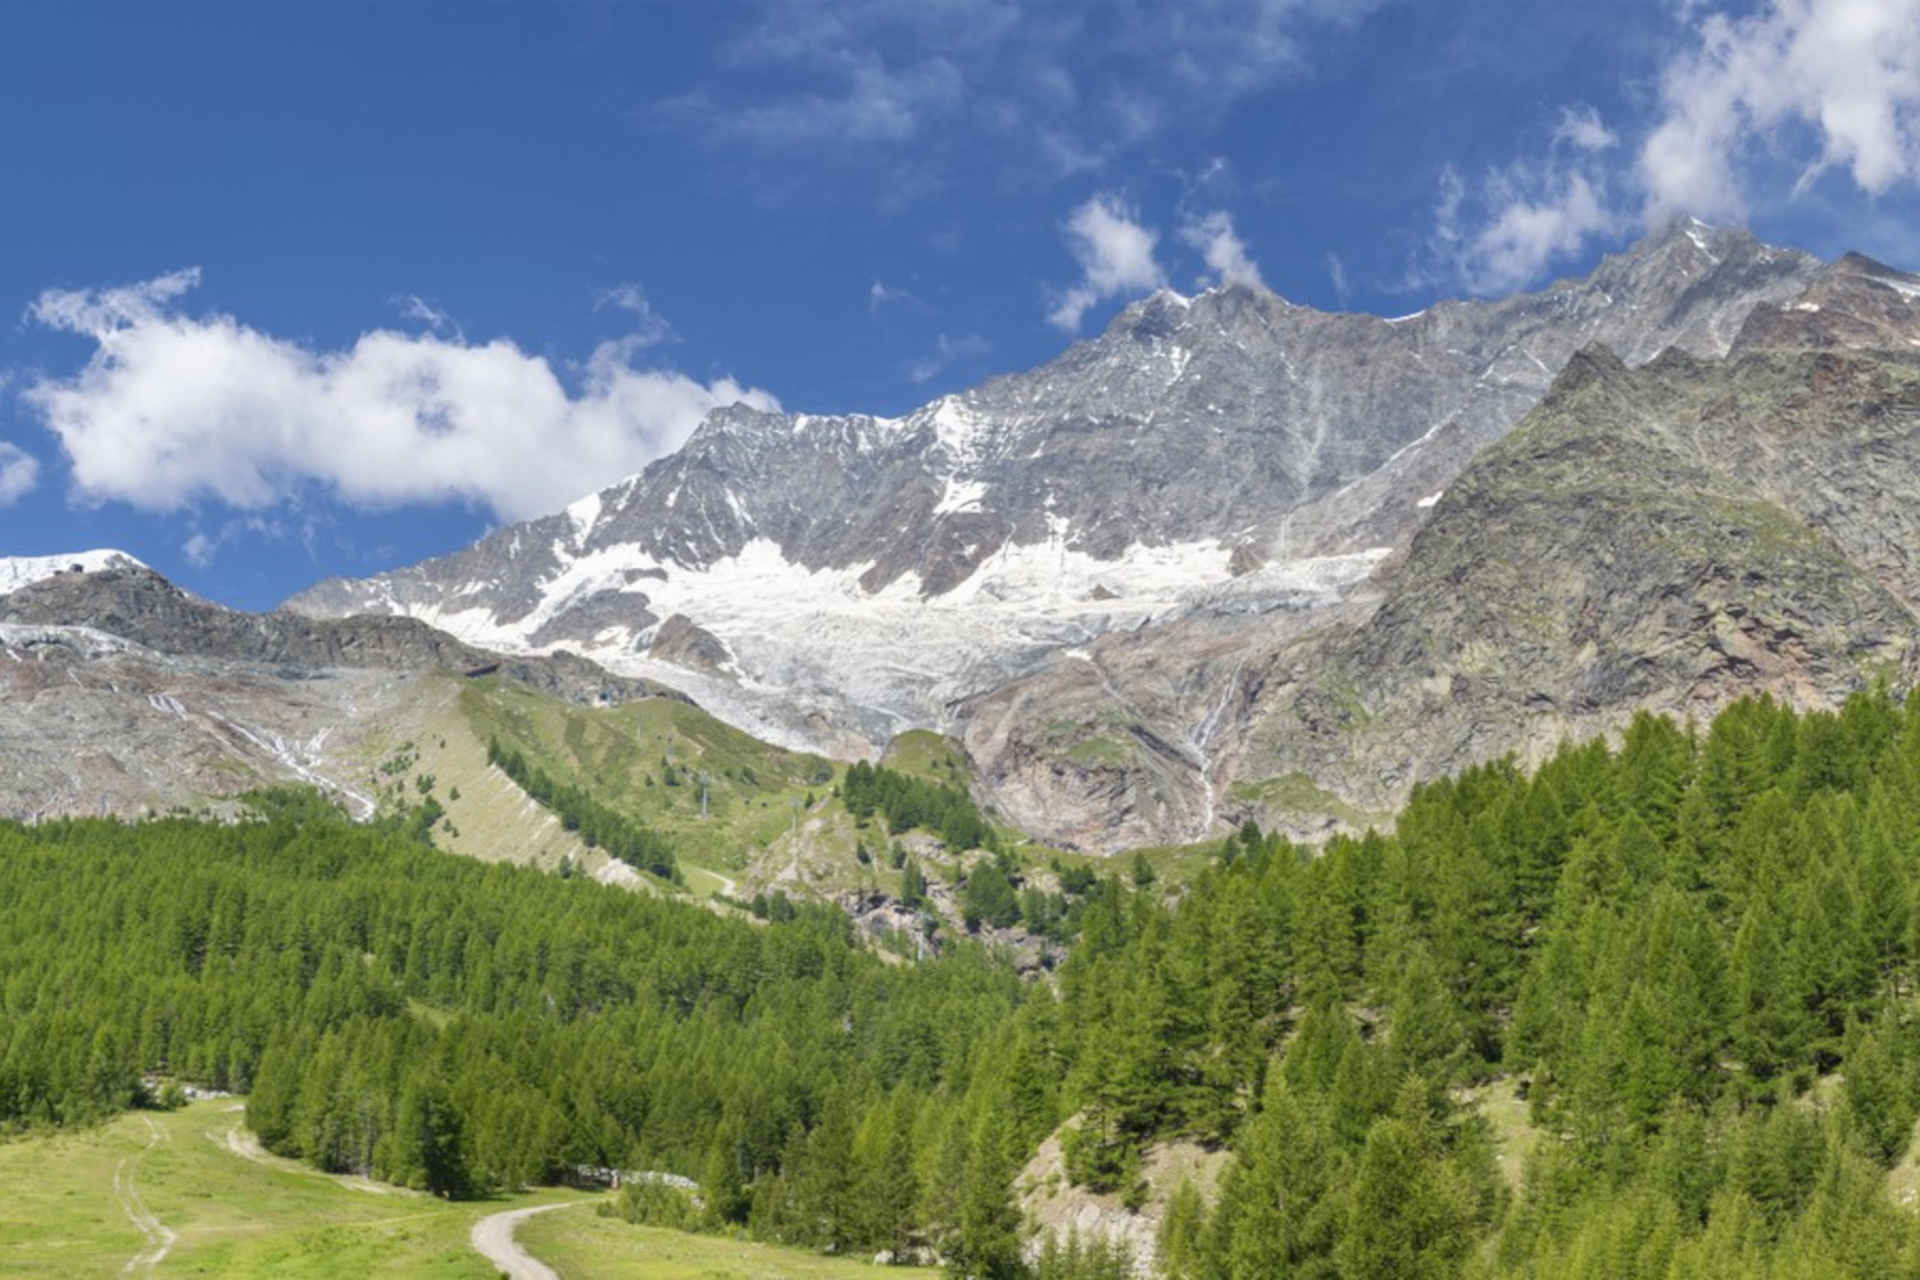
1233,558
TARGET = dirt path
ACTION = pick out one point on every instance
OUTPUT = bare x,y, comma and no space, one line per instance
242,1143
159,1238
493,1237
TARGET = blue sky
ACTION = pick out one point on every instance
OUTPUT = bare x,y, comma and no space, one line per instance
299,291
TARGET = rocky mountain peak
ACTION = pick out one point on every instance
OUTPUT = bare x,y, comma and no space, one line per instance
1228,451
1853,302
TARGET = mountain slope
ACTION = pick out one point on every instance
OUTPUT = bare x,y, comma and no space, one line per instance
841,578
1669,539
1665,537
121,693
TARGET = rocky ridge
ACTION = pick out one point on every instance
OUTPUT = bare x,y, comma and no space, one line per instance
1299,570
120,693
1226,454
1668,538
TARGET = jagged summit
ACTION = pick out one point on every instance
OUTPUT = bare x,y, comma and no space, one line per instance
1228,454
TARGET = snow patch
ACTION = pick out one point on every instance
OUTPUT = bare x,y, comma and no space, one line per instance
960,430
1905,288
961,495
585,514
23,571
1430,499
1695,231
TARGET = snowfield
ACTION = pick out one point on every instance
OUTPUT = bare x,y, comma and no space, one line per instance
23,571
813,644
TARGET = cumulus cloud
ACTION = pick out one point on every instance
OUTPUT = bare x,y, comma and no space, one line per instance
1754,108
19,472
1501,230
1822,84
199,550
1222,248
1115,253
1582,127
174,409
1519,221
202,548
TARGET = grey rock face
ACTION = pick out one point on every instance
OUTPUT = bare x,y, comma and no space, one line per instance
139,605
1188,419
1234,428
1141,580
1667,539
122,694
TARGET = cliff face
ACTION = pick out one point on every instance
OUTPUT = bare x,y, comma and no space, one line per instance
1671,538
1668,537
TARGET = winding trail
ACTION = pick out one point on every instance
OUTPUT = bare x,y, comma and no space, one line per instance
492,1236
159,1238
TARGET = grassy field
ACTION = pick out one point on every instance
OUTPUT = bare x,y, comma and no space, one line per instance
188,1193
578,1242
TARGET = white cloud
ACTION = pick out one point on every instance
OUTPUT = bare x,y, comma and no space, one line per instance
1582,127
1754,108
881,295
650,327
947,351
19,472
413,307
1115,253
1337,272
1503,231
174,409
1529,220
1222,248
1057,88
201,548
1820,84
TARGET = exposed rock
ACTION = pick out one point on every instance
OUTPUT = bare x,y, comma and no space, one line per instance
1054,1207
683,641
1670,538
137,604
867,574
122,694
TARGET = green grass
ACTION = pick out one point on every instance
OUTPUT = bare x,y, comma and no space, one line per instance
232,1214
929,755
1514,1137
238,1211
647,759
580,1243
1297,793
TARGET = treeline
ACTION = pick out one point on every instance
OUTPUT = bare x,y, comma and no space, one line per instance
1693,960
599,827
462,1027
1693,956
907,802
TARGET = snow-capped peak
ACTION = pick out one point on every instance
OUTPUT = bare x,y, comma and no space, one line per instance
23,571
